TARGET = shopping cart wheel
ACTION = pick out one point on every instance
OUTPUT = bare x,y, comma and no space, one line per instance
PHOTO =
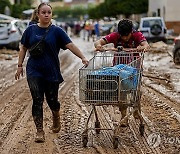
115,142
85,140
97,125
141,129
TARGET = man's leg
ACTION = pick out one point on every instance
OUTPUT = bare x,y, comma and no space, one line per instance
123,107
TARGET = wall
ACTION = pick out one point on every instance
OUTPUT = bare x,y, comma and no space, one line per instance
154,5
173,10
169,10
173,25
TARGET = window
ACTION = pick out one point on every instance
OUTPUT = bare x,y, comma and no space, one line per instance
149,23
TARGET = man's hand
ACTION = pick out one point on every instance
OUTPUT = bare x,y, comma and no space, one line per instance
99,45
99,48
143,47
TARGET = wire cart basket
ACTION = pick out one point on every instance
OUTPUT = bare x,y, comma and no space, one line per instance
112,78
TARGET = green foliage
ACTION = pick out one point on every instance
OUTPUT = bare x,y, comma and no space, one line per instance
17,10
55,0
26,2
3,4
66,12
112,8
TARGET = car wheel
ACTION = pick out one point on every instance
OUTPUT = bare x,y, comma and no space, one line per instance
176,57
156,29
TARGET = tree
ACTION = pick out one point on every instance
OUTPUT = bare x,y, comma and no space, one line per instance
55,0
17,9
112,8
66,12
3,4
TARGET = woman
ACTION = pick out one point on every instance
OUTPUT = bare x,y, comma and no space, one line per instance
43,72
34,18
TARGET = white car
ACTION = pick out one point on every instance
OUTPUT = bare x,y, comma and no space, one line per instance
6,17
11,32
153,28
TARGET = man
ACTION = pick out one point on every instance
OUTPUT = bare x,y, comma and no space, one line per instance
126,37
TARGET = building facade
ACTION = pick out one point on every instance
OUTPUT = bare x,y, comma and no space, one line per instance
169,10
82,3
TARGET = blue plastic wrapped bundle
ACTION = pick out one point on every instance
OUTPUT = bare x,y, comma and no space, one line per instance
127,74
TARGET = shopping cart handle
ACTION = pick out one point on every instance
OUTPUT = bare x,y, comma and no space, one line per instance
120,48
109,49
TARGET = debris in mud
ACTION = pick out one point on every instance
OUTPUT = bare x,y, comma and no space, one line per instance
8,57
158,47
8,51
159,102
8,54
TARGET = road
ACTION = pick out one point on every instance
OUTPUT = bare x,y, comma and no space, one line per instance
160,104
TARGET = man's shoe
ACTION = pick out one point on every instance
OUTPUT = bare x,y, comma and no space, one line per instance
136,114
125,123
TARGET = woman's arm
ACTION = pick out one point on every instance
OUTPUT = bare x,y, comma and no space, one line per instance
75,50
22,54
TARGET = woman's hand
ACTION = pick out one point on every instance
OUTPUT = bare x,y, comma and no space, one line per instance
19,73
85,61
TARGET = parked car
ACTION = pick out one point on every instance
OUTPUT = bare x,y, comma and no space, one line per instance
153,28
105,29
135,25
6,17
176,50
11,32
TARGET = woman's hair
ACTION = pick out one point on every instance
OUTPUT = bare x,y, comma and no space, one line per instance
34,16
125,27
42,4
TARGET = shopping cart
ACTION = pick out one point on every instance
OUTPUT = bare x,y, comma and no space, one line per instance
111,78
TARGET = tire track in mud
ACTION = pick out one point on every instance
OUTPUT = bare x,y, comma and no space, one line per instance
161,115
19,138
14,124
72,120
15,114
17,132
130,140
105,145
167,113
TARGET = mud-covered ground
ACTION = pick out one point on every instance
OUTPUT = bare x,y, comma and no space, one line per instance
160,104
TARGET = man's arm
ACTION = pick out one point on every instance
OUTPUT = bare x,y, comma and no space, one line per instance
143,45
99,43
